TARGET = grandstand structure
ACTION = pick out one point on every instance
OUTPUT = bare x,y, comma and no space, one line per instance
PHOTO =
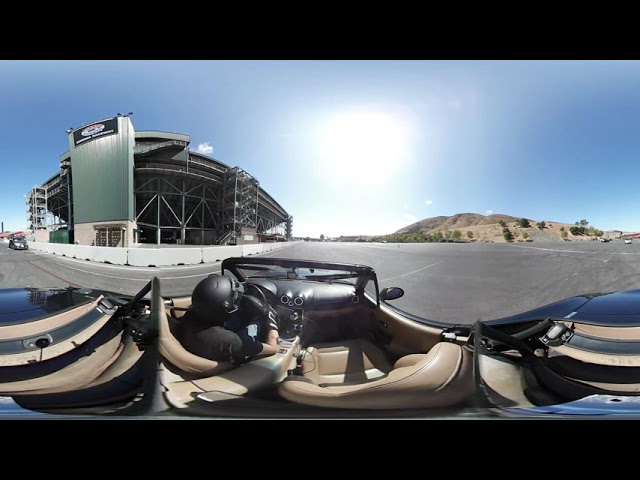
119,187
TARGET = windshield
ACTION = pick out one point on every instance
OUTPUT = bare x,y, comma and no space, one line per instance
318,274
398,202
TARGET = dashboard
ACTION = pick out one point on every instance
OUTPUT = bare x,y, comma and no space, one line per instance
304,303
308,295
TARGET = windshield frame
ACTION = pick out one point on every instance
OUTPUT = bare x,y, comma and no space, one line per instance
362,273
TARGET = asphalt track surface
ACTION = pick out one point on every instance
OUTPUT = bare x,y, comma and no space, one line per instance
451,283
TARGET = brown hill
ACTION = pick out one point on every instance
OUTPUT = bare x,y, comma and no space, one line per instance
458,221
485,228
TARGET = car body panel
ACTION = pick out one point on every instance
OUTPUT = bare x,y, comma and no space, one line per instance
559,309
591,406
615,308
18,305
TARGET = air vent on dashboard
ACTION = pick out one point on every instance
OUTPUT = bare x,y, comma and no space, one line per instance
292,302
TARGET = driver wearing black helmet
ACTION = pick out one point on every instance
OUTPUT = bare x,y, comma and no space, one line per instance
225,325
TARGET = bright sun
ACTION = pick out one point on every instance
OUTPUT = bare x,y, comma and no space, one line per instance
363,146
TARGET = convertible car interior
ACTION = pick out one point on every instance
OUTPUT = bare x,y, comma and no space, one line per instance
341,351
344,352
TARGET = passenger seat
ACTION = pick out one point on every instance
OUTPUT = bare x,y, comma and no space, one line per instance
356,376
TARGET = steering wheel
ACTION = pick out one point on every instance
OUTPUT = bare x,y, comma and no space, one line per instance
263,297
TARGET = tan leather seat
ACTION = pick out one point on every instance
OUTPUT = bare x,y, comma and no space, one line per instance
173,351
347,361
440,378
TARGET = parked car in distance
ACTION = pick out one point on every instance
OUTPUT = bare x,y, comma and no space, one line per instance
627,240
18,243
604,240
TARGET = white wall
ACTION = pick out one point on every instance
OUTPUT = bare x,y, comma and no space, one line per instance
159,257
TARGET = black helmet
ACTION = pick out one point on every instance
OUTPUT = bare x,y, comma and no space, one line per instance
216,294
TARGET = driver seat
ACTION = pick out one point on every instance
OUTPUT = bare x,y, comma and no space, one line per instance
178,356
442,377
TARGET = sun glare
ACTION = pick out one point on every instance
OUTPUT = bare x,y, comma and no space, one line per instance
363,146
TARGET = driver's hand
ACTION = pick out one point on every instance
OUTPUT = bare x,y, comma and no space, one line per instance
273,338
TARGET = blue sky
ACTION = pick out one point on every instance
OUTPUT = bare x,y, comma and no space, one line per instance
357,147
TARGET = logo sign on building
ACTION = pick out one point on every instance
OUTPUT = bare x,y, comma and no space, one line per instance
95,131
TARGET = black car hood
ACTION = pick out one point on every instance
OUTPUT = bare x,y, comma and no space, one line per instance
20,305
617,308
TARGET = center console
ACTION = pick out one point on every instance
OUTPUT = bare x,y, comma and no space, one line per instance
290,322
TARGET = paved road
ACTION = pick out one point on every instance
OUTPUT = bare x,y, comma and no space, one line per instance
453,283
462,283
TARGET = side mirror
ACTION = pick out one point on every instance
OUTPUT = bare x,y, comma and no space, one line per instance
391,293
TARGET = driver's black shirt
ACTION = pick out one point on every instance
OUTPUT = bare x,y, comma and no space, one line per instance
214,342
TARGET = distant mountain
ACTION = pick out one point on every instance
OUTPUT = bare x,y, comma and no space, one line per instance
458,221
485,228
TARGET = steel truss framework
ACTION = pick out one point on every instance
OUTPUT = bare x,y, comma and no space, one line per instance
187,202
199,201
163,202
216,208
37,209
50,205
